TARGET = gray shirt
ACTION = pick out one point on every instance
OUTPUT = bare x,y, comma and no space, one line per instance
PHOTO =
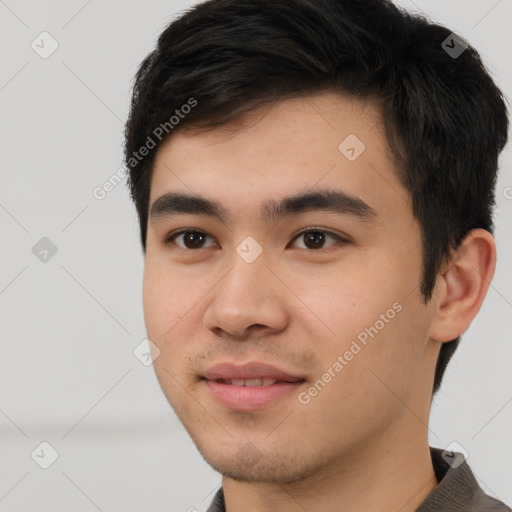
457,491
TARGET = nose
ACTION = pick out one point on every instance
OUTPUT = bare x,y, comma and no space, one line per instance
248,299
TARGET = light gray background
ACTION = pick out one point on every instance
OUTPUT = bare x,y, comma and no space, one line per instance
68,374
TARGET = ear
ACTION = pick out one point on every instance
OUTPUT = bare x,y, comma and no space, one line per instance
462,285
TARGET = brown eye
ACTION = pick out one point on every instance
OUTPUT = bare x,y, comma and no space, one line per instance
190,239
314,239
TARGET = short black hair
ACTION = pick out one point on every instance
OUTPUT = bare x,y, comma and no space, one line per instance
445,119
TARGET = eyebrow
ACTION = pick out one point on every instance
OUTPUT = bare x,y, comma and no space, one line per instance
174,203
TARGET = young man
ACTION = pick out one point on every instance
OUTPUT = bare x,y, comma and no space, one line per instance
315,181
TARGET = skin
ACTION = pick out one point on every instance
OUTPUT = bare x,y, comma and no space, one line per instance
362,442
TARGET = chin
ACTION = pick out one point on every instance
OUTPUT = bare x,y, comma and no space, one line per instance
249,465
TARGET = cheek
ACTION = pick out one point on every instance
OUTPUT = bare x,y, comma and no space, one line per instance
162,299
172,313
370,318
164,310
384,355
347,303
369,370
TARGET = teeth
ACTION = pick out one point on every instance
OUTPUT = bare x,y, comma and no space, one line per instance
253,382
250,382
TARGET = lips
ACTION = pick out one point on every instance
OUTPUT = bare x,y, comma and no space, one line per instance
251,374
250,387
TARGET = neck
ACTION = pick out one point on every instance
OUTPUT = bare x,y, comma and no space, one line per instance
396,474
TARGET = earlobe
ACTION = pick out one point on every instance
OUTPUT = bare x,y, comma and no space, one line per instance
463,284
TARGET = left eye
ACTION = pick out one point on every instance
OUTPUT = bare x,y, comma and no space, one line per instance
314,238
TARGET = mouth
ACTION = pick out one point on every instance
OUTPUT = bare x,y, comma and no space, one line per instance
250,394
250,387
250,383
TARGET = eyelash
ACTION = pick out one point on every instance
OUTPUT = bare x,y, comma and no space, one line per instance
170,238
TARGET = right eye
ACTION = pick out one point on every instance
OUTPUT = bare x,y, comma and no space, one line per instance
192,239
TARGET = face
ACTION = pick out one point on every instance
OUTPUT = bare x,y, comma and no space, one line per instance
307,274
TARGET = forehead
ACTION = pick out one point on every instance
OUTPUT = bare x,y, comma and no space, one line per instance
328,142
